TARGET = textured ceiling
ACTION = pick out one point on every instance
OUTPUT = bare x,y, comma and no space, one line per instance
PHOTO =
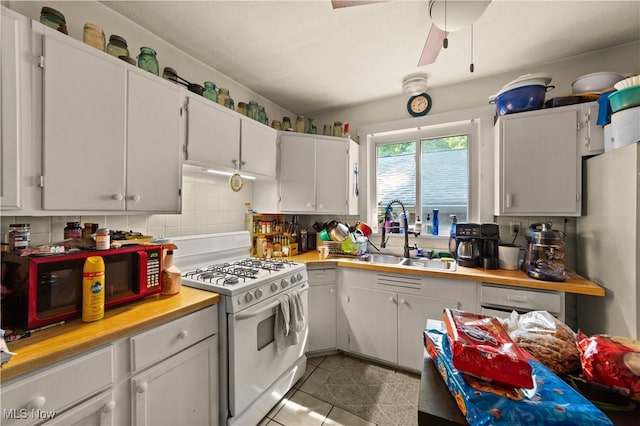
306,56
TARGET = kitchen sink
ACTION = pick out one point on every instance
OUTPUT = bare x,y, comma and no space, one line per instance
381,258
426,263
418,262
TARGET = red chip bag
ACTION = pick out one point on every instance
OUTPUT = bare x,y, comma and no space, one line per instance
481,347
612,362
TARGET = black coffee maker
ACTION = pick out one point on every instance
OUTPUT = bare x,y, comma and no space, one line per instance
476,245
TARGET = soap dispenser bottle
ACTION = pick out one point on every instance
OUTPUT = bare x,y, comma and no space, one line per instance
429,227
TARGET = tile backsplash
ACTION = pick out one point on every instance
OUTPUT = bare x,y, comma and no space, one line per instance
208,206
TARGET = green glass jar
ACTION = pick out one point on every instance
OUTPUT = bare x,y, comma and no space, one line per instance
210,91
117,46
262,115
252,110
53,19
147,60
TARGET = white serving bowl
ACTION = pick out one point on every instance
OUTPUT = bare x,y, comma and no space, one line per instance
595,82
627,82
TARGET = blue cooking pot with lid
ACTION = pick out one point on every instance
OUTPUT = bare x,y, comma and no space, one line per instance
521,98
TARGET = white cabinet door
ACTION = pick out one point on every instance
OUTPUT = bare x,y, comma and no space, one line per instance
591,136
97,411
539,168
332,162
373,323
14,102
183,390
84,97
258,148
213,134
413,313
154,171
297,174
322,315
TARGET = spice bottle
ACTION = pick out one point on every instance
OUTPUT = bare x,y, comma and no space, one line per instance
72,230
103,239
19,236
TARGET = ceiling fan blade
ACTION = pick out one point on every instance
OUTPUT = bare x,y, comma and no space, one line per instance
337,4
432,46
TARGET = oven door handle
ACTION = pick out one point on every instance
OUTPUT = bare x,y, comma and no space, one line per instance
248,315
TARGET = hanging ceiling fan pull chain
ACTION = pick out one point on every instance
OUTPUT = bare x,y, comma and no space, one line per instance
471,67
445,42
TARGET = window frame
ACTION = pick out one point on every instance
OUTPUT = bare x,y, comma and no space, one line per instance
471,126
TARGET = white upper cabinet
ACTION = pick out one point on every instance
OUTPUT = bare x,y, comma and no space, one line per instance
258,148
538,163
222,139
315,174
111,134
14,104
154,158
213,134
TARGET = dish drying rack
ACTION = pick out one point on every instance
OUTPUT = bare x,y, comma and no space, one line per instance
335,248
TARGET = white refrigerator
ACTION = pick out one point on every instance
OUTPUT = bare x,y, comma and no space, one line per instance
608,245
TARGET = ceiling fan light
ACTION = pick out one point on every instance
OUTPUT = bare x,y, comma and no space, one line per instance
459,13
414,84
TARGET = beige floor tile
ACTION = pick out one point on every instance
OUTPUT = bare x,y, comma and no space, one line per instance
316,360
302,409
339,417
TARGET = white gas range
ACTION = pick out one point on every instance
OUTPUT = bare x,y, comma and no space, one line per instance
254,374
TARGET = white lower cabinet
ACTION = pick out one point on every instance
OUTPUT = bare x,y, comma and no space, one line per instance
179,391
386,313
169,378
322,310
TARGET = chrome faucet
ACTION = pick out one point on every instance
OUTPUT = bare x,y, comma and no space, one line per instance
387,215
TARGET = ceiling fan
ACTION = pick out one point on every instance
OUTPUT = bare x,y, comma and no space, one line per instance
446,16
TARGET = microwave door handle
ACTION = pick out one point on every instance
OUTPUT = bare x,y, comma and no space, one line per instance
272,305
140,285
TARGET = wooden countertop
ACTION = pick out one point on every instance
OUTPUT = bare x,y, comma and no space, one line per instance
57,343
575,284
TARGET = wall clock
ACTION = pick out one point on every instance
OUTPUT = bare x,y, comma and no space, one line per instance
419,105
236,182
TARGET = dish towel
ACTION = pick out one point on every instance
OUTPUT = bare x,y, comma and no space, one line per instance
281,331
296,314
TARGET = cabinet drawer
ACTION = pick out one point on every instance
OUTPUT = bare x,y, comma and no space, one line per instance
165,340
322,276
509,297
58,388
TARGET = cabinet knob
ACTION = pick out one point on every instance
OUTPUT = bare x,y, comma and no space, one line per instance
330,290
37,402
117,197
402,301
109,407
320,206
391,299
309,205
508,200
135,197
183,334
142,387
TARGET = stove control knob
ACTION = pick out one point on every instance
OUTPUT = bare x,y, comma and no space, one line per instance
284,283
293,279
248,298
258,293
299,276
274,286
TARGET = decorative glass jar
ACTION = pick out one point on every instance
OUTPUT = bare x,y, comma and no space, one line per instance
223,95
147,60
252,110
117,46
210,91
93,35
286,123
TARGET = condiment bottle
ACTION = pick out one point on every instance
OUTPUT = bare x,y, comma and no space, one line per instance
93,289
87,230
147,60
103,239
72,230
171,276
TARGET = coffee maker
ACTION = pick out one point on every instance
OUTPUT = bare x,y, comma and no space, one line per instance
476,245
